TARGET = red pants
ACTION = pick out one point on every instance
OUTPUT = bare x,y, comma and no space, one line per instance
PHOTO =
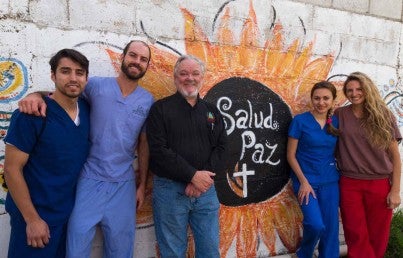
365,216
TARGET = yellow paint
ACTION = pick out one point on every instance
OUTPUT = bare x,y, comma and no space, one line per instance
12,68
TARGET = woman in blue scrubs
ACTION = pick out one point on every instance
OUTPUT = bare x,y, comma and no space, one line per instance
311,145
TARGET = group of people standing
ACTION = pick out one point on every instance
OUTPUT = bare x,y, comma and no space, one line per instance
69,165
347,157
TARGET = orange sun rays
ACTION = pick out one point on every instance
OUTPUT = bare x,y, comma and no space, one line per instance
264,220
289,73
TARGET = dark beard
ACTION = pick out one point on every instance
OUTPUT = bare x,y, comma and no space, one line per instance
125,70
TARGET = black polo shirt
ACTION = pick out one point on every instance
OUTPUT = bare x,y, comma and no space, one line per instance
184,138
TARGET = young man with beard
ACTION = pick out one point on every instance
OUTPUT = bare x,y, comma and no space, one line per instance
106,191
187,141
41,168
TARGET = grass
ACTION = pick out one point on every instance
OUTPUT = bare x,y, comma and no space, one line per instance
395,245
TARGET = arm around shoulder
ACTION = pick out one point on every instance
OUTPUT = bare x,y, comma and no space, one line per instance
33,104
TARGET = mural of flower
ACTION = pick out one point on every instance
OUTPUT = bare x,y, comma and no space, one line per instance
276,82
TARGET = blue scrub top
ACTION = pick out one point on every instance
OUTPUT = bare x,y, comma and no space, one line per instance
315,150
57,150
116,123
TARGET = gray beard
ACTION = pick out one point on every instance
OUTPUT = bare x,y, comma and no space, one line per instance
189,95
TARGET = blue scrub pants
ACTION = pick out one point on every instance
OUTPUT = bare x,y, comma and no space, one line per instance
174,211
19,248
112,205
321,222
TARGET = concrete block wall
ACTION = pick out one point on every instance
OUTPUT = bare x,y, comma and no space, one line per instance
388,9
345,36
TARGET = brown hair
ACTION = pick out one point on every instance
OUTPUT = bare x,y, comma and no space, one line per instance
72,54
329,86
139,41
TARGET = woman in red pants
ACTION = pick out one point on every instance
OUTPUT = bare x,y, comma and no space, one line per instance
370,168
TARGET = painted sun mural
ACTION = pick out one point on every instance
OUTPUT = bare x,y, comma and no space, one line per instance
257,89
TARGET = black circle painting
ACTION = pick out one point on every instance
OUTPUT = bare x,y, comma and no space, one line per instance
256,121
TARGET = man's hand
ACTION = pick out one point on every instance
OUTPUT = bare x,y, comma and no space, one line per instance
140,195
142,173
192,191
38,233
37,230
33,104
202,180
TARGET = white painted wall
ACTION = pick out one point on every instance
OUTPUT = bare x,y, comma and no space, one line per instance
363,35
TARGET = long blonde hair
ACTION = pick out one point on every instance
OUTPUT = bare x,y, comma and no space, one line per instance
377,121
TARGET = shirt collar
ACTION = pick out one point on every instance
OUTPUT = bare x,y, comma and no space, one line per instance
179,97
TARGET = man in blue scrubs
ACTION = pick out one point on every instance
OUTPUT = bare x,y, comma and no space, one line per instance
43,159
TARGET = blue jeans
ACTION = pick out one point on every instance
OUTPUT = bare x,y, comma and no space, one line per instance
174,211
321,221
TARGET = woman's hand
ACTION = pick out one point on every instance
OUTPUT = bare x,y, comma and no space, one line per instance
303,193
393,200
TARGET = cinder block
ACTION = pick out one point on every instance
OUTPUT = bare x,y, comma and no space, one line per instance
387,8
384,53
40,75
385,78
324,3
324,43
14,38
369,50
347,65
296,19
50,40
103,16
357,6
292,13
168,23
4,7
19,7
54,14
333,21
375,27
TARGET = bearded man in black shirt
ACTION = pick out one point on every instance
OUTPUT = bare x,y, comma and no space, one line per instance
187,141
